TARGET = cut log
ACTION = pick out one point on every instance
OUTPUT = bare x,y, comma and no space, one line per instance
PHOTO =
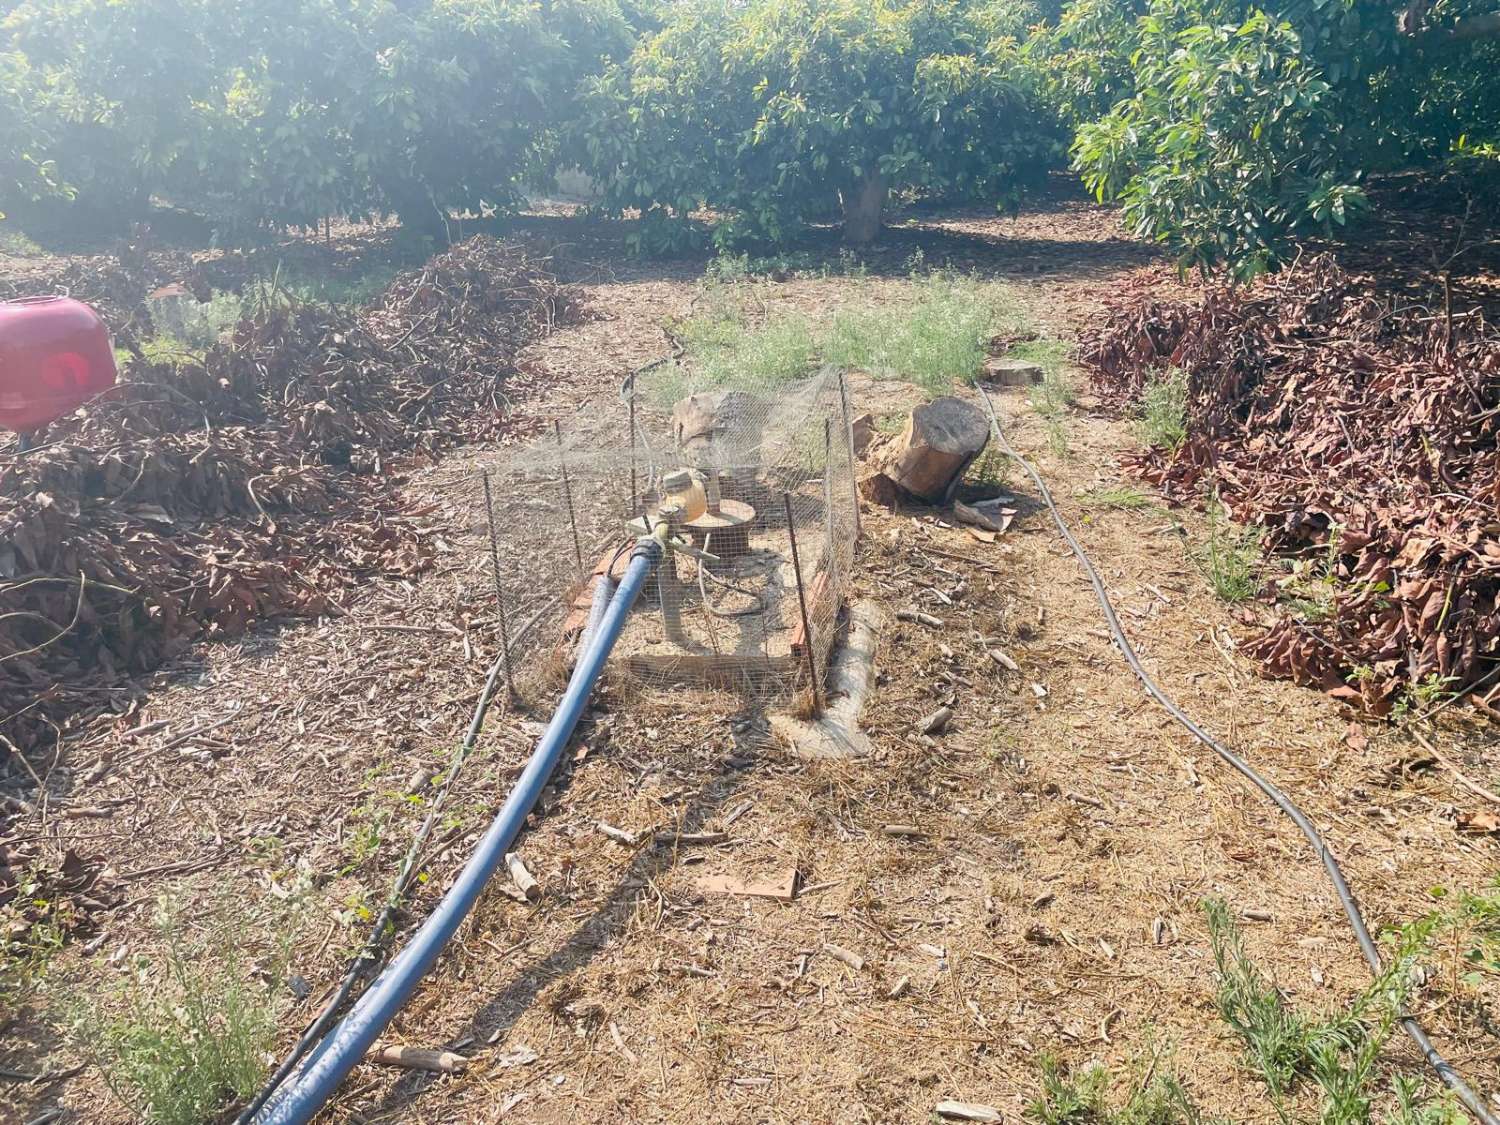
718,428
941,438
1010,372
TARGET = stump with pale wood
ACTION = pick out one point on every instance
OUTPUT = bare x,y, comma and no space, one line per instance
928,458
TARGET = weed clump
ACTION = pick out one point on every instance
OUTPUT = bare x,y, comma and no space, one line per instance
936,336
1228,558
1163,410
1338,1052
188,1036
1155,1097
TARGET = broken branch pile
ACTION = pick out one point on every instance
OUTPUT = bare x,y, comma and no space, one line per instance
199,497
1361,437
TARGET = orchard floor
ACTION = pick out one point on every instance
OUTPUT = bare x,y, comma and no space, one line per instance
1050,905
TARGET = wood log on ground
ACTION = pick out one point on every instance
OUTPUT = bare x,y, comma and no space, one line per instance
941,438
718,427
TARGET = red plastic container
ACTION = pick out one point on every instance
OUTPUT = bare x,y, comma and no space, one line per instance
55,355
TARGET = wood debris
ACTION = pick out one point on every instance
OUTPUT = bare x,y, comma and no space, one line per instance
968,1111
783,887
418,1058
523,879
847,956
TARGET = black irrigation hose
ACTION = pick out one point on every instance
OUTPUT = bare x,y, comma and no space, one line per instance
1450,1077
372,955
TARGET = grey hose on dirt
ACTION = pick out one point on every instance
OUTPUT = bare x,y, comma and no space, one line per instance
1445,1071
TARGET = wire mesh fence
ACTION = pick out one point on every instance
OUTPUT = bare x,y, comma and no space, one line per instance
759,490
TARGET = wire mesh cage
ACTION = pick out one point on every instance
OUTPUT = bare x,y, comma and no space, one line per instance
759,488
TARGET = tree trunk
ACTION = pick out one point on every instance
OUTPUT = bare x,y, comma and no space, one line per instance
940,440
863,206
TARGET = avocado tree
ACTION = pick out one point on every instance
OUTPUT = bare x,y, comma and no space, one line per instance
284,111
772,113
1236,130
26,174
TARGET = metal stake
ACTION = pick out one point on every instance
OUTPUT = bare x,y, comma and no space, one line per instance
812,661
849,439
828,541
489,511
568,496
630,508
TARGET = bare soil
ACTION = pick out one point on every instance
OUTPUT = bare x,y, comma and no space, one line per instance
1049,904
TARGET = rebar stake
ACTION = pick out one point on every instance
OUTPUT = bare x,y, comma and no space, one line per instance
489,511
828,544
849,439
634,507
807,636
568,497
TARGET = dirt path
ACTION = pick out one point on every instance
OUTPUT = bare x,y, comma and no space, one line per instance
1050,905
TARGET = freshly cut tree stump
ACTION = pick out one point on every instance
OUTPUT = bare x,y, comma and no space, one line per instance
941,438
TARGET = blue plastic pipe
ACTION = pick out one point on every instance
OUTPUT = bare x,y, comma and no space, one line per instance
304,1095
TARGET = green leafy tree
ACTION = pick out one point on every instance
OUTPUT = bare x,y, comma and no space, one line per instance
1236,129
774,113
112,86
285,111
25,172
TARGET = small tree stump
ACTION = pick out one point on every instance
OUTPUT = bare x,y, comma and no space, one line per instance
717,426
941,438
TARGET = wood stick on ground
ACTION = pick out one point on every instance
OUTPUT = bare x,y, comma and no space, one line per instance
524,880
418,1058
692,837
919,617
847,956
968,1111
902,830
619,835
1474,786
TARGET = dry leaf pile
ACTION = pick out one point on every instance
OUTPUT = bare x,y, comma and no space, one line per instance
1362,438
196,499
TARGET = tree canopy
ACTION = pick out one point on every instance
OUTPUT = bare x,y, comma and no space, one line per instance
775,112
1231,129
285,111
1226,128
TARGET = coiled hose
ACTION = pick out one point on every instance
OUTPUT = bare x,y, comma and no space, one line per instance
1445,1071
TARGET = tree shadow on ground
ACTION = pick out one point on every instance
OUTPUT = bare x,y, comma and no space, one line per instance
1041,243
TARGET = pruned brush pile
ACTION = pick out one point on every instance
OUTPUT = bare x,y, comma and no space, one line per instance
1362,439
195,499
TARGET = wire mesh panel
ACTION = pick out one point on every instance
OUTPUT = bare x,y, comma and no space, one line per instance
759,491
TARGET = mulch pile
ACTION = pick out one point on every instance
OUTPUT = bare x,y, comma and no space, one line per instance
195,499
1360,436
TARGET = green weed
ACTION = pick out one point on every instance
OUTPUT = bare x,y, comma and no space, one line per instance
18,245
935,338
191,1035
1050,399
194,326
1336,1052
990,470
33,929
1155,1097
1423,695
1048,353
939,338
1163,410
1228,559
1122,497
